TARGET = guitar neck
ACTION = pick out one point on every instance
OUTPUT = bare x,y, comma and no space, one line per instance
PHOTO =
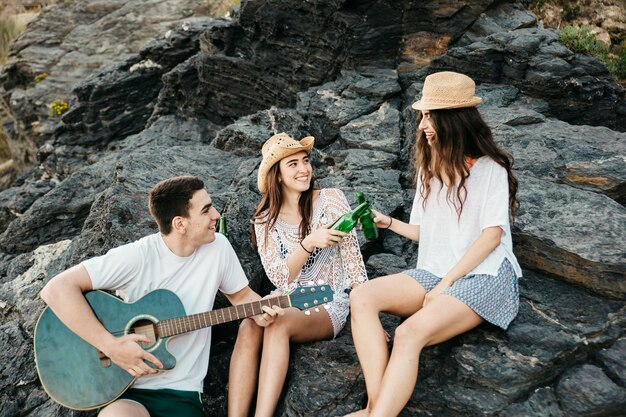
179,325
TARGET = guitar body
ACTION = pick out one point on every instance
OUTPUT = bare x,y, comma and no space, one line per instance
71,370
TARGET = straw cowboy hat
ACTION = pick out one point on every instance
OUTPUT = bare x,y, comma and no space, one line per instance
276,148
447,90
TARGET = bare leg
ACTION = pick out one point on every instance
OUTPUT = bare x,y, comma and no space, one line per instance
442,319
397,294
295,327
244,368
124,408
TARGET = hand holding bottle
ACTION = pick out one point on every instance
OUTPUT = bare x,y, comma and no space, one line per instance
322,238
382,221
368,226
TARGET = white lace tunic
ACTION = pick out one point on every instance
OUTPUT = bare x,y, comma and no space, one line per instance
340,266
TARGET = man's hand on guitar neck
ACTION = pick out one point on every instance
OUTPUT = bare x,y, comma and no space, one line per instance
247,295
126,353
269,315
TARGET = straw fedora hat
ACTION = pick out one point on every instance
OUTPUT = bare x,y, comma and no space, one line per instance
447,90
276,148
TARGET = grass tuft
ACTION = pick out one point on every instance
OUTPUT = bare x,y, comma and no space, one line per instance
580,39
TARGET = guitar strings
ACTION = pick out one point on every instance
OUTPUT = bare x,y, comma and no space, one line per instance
132,330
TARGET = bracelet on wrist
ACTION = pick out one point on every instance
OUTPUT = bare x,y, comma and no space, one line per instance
305,249
390,221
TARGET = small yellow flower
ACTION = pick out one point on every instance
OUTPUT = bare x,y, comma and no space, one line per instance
58,107
40,77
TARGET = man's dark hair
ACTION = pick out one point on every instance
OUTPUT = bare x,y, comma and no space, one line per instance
170,198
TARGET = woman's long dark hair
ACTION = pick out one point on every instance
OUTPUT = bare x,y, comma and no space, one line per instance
460,133
267,210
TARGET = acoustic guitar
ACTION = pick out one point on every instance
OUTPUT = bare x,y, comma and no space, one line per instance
78,376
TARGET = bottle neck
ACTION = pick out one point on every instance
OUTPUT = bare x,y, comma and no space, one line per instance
360,210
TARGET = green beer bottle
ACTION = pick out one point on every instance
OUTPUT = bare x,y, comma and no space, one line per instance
223,226
347,222
370,231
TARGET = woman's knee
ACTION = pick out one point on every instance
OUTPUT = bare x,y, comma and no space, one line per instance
361,299
410,335
364,299
250,334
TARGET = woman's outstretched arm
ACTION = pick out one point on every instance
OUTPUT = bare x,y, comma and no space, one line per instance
384,221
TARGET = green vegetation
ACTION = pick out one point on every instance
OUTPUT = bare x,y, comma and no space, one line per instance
5,151
13,21
580,39
8,30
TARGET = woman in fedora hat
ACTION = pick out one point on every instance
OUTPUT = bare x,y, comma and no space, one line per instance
466,271
290,230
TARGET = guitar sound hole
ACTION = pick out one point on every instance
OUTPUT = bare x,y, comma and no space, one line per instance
146,328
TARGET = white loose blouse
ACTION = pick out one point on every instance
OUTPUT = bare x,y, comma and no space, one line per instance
340,266
444,238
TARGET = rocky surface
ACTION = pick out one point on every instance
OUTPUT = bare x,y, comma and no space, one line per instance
70,42
220,88
577,88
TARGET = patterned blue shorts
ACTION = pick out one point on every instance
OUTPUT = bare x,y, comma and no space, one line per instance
494,298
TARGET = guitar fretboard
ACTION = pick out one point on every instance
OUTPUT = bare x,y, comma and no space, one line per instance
179,325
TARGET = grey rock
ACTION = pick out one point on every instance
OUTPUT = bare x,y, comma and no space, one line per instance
385,264
585,157
17,265
613,360
68,204
19,297
587,391
246,136
332,105
120,213
574,234
542,402
378,131
355,160
5,259
169,131
15,200
504,17
17,374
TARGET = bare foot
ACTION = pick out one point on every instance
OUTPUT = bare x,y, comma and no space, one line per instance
360,413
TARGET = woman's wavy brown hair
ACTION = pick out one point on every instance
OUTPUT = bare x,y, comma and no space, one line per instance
267,210
460,133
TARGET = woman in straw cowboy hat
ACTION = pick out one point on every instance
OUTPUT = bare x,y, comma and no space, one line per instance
466,272
290,230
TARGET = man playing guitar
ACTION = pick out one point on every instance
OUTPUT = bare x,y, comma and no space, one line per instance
186,257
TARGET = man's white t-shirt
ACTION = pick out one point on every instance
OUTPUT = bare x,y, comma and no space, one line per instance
147,264
444,238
